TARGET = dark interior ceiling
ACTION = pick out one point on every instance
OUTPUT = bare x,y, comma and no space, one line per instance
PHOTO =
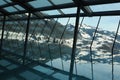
17,9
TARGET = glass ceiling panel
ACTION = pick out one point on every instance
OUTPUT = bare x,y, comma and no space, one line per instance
19,7
51,12
57,2
106,7
10,9
69,10
2,2
40,3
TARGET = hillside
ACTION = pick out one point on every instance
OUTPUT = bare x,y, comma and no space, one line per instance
48,44
102,45
50,37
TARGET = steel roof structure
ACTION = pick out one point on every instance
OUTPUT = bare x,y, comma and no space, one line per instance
27,10
13,7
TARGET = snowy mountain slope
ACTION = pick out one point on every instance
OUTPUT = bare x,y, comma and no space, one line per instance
41,34
102,44
39,47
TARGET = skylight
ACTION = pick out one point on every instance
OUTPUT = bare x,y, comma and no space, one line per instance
39,3
51,12
106,7
69,10
19,7
57,2
10,9
2,2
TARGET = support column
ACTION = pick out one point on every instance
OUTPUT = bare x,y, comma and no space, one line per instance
26,37
113,46
74,43
3,28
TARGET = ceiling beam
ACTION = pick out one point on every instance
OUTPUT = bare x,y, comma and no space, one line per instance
13,3
60,11
25,6
85,9
7,5
61,6
98,2
4,12
68,5
104,13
